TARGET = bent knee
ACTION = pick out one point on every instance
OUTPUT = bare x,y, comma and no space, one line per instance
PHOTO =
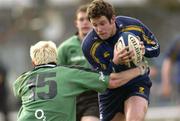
89,118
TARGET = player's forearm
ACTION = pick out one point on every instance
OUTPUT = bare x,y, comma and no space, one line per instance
121,78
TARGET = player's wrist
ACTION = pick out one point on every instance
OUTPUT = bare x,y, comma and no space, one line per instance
115,61
143,68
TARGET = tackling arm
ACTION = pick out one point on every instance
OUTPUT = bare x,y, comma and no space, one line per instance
123,77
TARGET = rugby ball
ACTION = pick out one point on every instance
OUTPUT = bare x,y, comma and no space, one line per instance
130,40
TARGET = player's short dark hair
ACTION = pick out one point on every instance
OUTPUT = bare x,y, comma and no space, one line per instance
98,8
82,8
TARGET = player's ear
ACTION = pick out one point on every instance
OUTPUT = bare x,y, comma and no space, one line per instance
33,64
113,19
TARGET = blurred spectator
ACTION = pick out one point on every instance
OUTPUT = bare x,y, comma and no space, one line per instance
70,53
3,91
172,57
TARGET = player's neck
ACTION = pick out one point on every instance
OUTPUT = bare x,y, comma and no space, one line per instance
81,36
114,30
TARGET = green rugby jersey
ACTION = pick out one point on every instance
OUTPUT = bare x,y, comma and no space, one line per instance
70,53
48,92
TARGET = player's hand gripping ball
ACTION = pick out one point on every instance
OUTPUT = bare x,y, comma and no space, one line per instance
132,41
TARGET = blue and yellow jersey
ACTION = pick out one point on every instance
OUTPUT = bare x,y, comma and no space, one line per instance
174,51
99,52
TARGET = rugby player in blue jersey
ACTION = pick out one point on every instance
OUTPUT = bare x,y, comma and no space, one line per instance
172,58
130,101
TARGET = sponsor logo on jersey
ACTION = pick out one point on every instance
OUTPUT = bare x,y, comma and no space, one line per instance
141,90
106,54
101,77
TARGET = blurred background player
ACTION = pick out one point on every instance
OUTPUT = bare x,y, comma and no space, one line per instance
3,91
70,53
48,92
129,102
170,80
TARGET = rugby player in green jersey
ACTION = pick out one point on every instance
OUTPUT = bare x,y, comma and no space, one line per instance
70,53
48,92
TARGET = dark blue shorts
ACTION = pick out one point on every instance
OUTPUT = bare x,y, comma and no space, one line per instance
112,100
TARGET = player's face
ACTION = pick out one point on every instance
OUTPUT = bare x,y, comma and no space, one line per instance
103,27
82,23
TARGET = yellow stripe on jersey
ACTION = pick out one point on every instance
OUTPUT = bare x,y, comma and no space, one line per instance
139,29
132,27
93,53
149,41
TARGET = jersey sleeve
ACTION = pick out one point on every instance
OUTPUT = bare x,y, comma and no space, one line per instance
152,47
61,55
15,89
93,53
86,49
19,84
85,80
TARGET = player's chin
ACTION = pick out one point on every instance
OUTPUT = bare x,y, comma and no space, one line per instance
103,37
85,31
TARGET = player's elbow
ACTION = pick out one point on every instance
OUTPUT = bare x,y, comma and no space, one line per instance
152,53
